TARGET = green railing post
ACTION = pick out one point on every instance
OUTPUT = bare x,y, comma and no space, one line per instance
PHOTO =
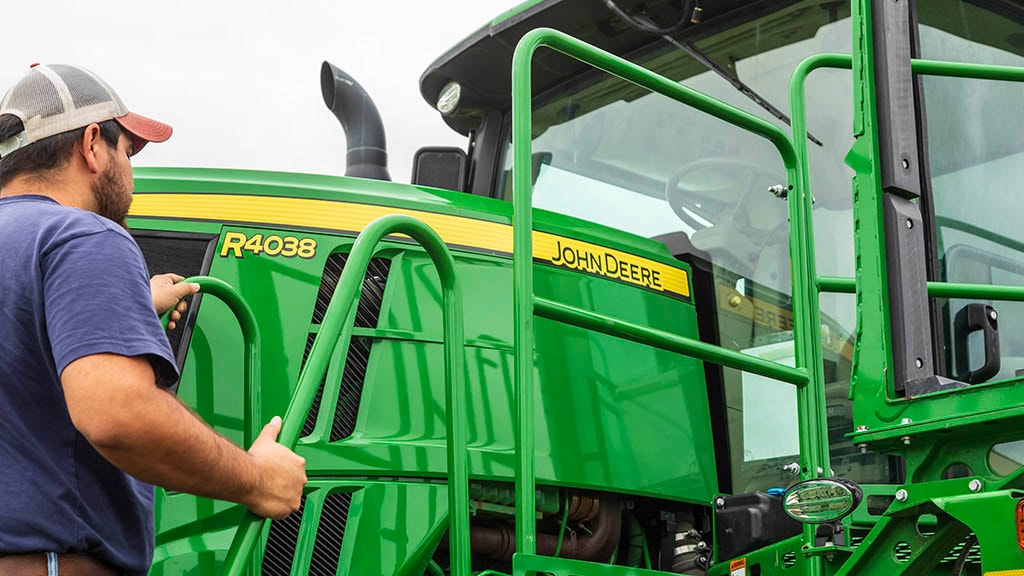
337,326
251,396
251,342
810,398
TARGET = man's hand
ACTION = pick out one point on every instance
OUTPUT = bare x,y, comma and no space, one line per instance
168,294
282,475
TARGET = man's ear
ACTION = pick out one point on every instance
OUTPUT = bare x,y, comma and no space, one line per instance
89,148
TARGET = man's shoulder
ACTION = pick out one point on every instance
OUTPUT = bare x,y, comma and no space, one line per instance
54,222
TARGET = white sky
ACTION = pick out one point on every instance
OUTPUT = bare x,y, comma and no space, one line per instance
240,79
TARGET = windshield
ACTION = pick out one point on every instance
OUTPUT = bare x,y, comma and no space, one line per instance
613,154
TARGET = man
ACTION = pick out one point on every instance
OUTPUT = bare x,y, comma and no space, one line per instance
86,423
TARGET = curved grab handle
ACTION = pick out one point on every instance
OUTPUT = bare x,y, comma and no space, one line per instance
251,341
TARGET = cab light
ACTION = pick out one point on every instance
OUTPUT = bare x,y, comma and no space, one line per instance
448,100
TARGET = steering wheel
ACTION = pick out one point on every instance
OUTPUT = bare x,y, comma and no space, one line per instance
717,206
699,207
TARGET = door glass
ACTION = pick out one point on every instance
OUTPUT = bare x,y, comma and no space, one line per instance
976,158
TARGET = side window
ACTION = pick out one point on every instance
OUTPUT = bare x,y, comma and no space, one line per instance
184,254
976,164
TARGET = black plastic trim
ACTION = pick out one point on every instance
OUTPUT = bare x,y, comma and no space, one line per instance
705,302
897,121
908,301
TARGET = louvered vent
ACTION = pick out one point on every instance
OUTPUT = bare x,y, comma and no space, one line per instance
351,388
367,315
329,535
370,298
277,560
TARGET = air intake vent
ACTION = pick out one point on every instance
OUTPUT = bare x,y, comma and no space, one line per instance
351,388
310,423
277,560
329,535
371,299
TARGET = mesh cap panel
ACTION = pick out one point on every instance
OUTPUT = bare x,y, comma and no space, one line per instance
35,95
85,89
51,100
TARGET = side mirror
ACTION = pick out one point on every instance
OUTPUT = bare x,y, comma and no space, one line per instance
822,500
440,167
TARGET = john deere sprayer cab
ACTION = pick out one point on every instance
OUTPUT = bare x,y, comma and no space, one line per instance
715,287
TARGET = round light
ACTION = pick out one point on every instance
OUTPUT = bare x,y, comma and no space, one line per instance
448,101
822,500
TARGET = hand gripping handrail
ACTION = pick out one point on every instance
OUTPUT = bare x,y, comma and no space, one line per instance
337,326
251,341
808,372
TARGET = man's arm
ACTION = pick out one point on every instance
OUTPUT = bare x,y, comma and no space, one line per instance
114,402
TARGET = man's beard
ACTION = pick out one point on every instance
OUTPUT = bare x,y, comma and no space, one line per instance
112,199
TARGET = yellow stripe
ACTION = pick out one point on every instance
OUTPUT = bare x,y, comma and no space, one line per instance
1017,572
456,230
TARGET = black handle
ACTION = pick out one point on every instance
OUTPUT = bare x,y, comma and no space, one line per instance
972,318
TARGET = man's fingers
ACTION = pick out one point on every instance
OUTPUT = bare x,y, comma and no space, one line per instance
271,430
184,289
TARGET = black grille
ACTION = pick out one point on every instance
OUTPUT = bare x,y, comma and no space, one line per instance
277,560
371,297
367,314
310,423
329,535
902,550
351,390
789,559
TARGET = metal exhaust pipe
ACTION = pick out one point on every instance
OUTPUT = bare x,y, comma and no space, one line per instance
367,155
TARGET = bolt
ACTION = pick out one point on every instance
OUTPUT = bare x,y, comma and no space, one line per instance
910,224
906,164
779,191
719,502
735,301
901,495
906,421
792,468
975,485
906,440
992,314
862,428
919,363
863,448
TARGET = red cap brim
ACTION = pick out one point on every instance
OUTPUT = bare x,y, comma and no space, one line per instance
144,130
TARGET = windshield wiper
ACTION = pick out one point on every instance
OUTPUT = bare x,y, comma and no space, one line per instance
710,64
738,84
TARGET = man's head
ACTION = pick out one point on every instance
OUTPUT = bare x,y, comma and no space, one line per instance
62,115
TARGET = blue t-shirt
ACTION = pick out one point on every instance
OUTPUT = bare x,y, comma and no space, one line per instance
72,284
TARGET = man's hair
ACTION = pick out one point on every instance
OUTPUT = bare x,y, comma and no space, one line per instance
47,154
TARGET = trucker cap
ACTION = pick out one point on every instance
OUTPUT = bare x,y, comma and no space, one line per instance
57,98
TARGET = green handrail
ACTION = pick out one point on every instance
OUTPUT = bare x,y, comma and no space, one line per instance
935,289
251,341
337,326
918,66
810,398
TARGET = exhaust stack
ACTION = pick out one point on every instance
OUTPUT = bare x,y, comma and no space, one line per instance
367,155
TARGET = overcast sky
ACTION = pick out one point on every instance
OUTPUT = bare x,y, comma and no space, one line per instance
240,79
